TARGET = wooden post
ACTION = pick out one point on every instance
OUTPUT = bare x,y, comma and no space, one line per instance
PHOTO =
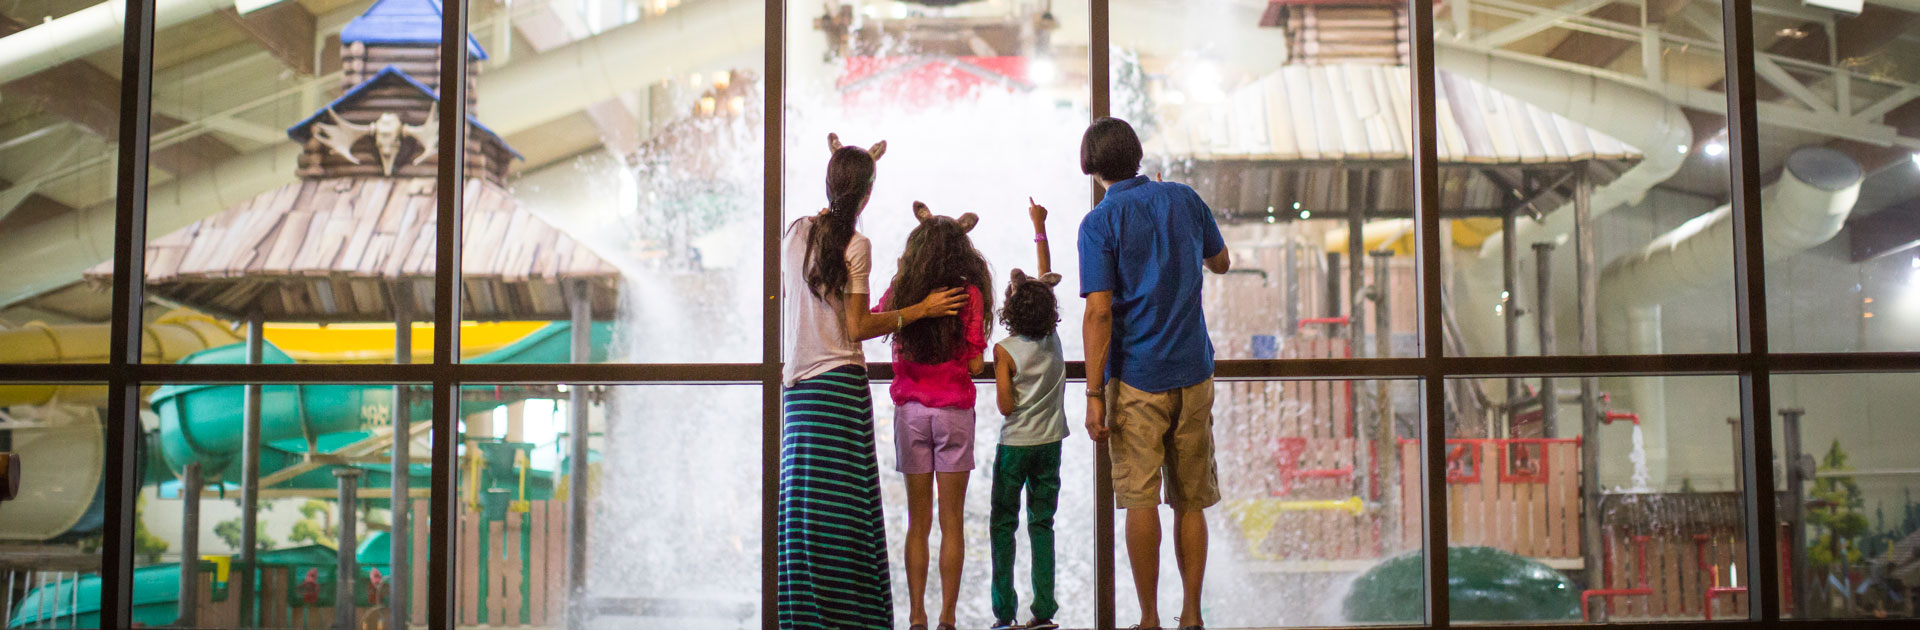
1548,396
189,545
347,564
401,504
250,476
580,303
1795,511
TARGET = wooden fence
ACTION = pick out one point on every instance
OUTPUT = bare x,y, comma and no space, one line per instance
1519,495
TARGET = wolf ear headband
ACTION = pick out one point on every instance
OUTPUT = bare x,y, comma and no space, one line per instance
925,214
878,149
1052,279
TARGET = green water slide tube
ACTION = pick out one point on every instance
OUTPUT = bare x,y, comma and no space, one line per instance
156,588
202,422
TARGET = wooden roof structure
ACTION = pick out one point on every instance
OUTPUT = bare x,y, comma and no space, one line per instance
343,249
355,236
1335,137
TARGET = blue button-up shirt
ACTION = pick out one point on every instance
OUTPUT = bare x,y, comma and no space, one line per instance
1147,242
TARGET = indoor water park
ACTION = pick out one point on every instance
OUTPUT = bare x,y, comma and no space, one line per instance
1635,337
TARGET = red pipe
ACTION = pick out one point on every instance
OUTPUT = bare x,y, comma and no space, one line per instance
1606,563
1714,589
1619,415
1309,321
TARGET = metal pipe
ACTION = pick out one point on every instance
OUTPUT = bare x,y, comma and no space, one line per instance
580,296
400,565
1543,318
1332,305
347,565
84,32
250,475
190,486
1292,299
1509,306
1357,265
1795,508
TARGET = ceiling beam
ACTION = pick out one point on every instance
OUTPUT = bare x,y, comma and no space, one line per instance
1600,51
88,96
284,30
545,28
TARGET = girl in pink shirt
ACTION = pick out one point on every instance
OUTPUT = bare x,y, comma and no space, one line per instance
934,361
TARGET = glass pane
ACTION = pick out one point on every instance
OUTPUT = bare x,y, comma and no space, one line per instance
1849,515
1839,130
981,106
1542,104
1319,522
292,177
1073,529
1292,122
59,126
53,505
1637,517
325,511
639,180
673,538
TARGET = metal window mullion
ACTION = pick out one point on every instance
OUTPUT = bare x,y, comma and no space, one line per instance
772,210
1426,204
1100,105
450,178
1750,304
129,276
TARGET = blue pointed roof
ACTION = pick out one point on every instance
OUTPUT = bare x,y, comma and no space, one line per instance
302,130
402,22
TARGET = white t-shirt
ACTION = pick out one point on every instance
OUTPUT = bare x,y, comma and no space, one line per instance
812,329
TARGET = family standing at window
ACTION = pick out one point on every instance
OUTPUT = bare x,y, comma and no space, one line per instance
1149,393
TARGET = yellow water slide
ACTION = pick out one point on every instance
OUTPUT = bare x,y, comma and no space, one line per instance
175,335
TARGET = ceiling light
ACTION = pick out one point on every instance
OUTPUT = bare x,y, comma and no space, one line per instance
1306,213
1716,149
1680,148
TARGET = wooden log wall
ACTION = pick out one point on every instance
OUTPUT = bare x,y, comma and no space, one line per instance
1328,34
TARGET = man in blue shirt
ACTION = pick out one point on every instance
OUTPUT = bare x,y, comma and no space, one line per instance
1141,252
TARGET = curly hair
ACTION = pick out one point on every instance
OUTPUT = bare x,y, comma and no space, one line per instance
939,256
1031,310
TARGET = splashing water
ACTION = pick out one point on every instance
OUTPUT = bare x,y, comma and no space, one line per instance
1641,480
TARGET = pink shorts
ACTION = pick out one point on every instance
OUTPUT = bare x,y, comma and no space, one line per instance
932,439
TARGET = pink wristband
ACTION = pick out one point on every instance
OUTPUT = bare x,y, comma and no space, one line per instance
1040,237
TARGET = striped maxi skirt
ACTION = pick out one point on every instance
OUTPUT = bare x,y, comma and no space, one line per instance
833,571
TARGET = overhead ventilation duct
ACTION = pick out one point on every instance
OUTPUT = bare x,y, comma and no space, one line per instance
1807,206
1643,119
531,92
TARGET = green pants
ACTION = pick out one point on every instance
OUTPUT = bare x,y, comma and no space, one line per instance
1037,468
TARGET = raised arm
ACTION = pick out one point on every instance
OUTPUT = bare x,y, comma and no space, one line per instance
1039,215
863,323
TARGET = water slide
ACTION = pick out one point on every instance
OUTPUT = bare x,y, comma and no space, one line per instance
202,422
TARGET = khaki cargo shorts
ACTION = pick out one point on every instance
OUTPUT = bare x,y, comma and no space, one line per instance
1166,433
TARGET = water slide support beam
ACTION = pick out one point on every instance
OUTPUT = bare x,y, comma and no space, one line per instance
400,565
344,574
250,474
579,301
189,545
1543,316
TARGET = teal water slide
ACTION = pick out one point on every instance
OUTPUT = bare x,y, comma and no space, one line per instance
202,423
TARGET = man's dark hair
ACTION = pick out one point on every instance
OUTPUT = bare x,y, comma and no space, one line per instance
1031,309
1110,150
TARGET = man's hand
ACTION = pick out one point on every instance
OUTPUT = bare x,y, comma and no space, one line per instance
1097,418
1037,212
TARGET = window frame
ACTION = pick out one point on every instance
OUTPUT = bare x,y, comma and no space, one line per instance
1753,363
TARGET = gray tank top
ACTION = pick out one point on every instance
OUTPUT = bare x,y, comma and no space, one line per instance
1038,415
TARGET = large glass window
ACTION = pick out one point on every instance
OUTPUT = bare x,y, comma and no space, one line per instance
59,126
617,215
1849,476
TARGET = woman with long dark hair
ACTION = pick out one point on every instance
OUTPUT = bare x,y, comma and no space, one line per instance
832,541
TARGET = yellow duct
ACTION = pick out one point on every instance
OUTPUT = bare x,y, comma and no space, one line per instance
1398,235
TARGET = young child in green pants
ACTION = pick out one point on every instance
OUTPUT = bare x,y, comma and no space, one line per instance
1030,372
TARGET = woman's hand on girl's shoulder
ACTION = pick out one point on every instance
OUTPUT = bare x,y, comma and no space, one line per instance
942,303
